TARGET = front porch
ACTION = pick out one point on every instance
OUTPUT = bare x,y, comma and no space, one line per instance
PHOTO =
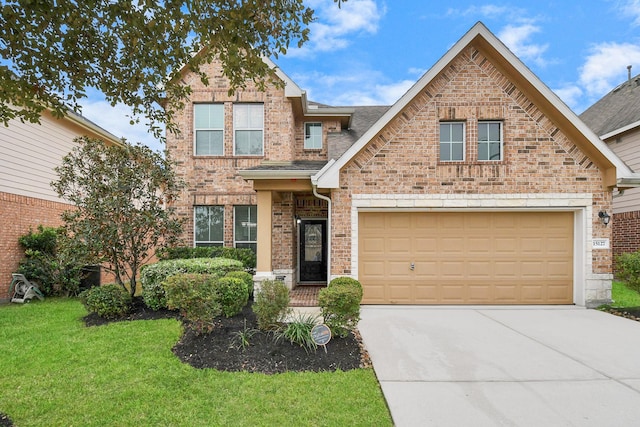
305,296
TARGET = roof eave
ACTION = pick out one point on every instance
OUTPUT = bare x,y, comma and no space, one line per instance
251,174
621,130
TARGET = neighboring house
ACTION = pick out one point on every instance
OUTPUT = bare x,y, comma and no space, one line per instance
479,186
616,119
28,155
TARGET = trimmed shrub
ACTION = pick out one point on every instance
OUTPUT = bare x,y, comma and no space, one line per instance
629,269
109,301
244,255
298,331
153,275
246,278
232,295
271,304
196,297
340,305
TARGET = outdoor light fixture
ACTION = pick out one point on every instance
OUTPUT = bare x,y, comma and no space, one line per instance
297,219
604,217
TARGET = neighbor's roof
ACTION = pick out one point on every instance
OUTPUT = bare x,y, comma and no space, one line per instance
618,111
614,170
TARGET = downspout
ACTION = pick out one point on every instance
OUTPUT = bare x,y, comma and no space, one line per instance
320,196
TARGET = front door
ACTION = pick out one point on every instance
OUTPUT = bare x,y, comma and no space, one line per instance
313,250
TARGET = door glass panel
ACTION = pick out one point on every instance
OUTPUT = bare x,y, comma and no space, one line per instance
313,242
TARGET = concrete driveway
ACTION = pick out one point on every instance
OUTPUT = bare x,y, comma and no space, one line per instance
492,366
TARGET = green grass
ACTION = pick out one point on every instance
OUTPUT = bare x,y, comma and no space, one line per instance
624,297
56,372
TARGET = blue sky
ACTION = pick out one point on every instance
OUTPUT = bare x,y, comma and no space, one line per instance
369,52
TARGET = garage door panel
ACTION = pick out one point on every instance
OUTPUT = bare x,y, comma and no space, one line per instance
466,257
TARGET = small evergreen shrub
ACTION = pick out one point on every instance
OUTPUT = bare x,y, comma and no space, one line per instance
153,275
271,304
244,255
246,278
628,265
232,295
298,331
109,301
196,297
340,305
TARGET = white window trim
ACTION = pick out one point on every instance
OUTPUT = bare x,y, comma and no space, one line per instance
305,136
249,129
195,129
235,242
195,241
464,141
487,142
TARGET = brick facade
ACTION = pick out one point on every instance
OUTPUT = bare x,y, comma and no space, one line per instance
404,157
626,233
17,215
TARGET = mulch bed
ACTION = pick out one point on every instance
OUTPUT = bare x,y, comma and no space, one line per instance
221,349
632,313
5,421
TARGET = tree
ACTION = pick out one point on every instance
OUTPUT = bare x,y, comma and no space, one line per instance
132,50
121,195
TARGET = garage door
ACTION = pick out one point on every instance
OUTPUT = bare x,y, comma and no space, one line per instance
466,258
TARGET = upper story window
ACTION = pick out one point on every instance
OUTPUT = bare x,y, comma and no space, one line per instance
451,141
313,136
248,126
209,225
209,129
489,140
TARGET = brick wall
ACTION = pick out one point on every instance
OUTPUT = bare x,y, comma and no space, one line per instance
626,233
17,214
404,157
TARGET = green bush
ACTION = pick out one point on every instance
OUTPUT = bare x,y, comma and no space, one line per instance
246,278
628,265
340,305
109,301
52,260
153,275
298,331
233,295
271,304
244,255
196,297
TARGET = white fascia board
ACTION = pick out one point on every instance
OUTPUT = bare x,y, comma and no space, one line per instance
618,131
291,89
323,180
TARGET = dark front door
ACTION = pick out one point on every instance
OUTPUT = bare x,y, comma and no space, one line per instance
313,250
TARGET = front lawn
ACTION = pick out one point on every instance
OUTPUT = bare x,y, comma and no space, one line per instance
56,371
624,297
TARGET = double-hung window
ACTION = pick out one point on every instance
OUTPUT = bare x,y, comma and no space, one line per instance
209,225
313,136
451,141
209,129
248,126
489,140
245,227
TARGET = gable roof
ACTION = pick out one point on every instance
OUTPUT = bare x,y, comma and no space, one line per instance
617,112
614,170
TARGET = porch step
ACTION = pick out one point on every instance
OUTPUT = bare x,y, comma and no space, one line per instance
305,296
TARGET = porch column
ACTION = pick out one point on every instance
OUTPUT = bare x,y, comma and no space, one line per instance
263,264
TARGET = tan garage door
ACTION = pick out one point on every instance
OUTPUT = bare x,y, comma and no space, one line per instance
466,258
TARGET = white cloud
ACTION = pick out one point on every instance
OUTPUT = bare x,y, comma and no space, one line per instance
606,66
632,7
334,26
487,11
517,38
571,95
364,87
116,120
